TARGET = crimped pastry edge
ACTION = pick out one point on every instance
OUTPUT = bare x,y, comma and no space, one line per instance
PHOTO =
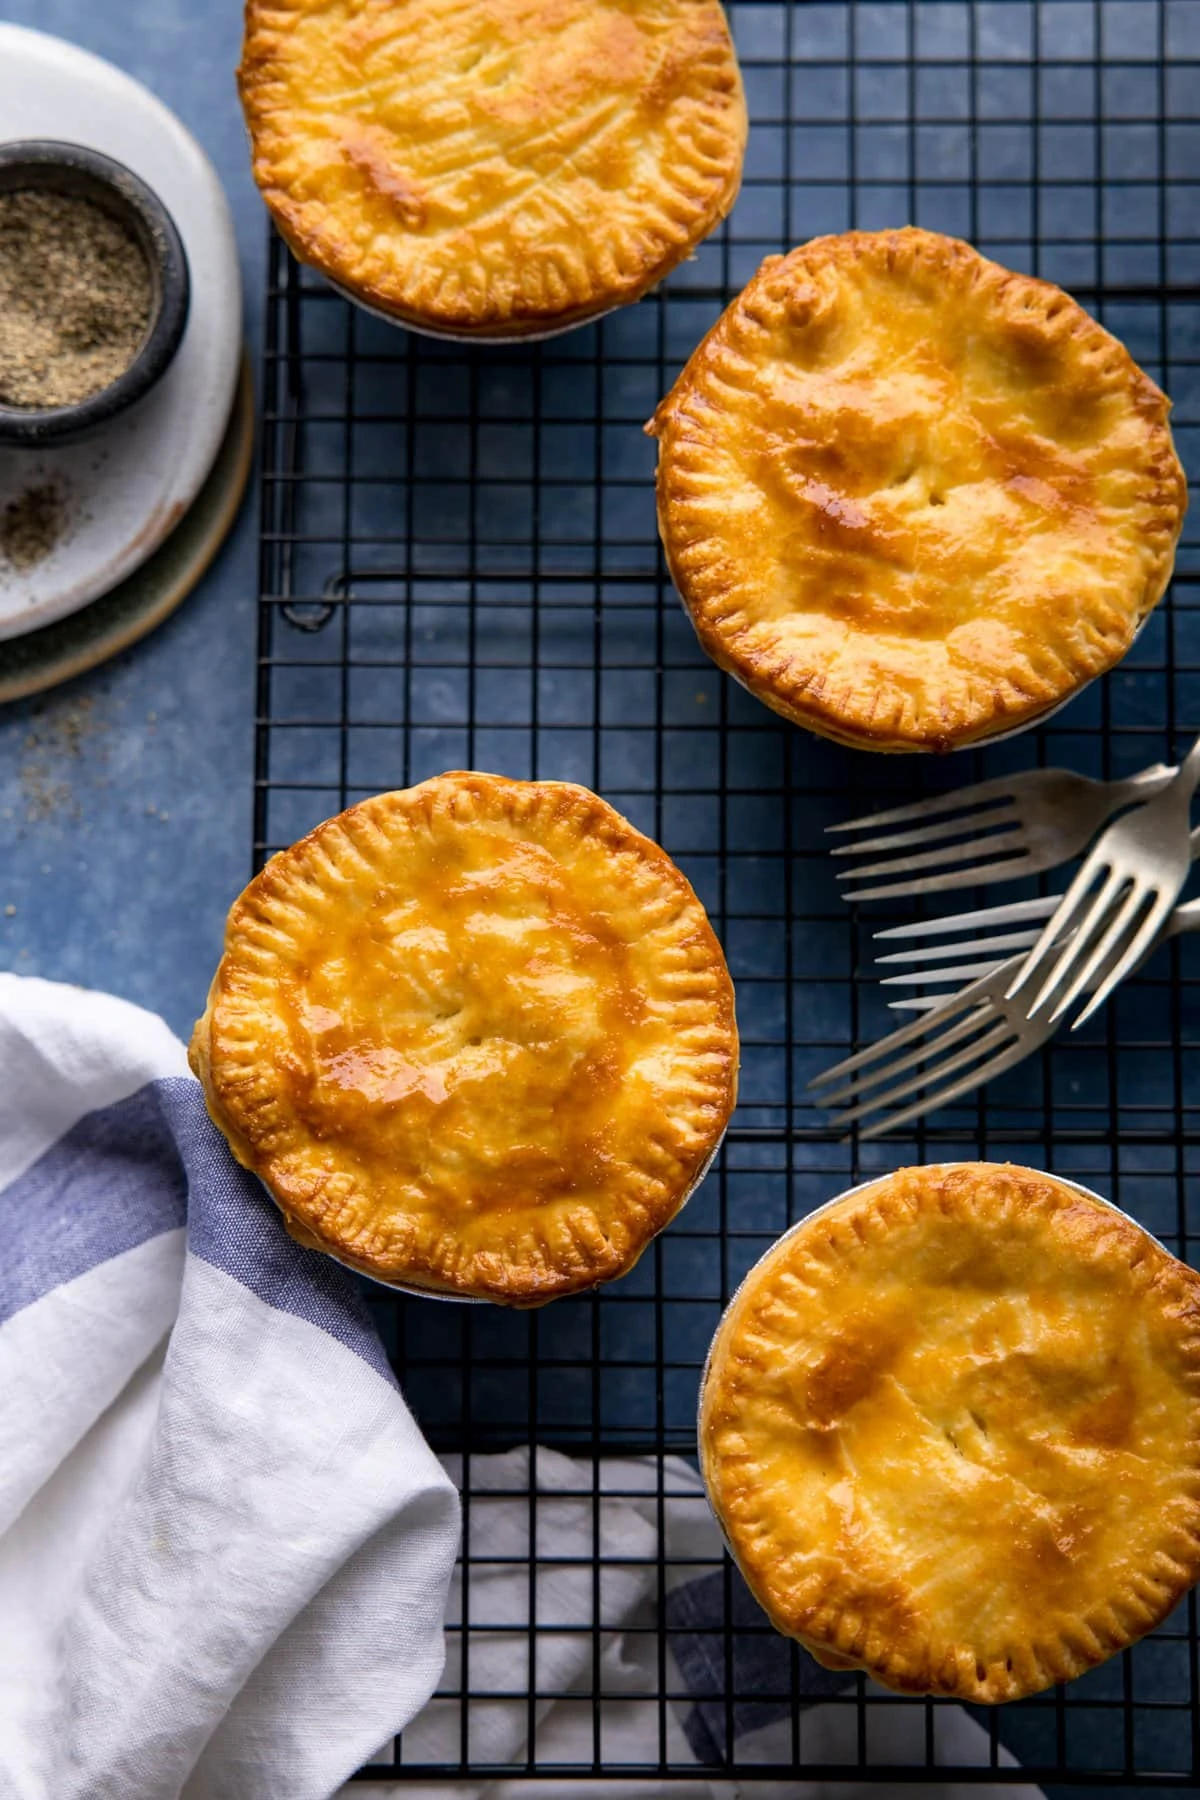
992,1691
1014,710
517,1289
456,1299
1000,735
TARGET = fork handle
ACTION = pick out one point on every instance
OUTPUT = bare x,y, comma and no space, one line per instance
1142,786
1185,918
1189,773
1150,782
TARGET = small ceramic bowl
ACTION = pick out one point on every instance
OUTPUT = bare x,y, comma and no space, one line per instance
59,168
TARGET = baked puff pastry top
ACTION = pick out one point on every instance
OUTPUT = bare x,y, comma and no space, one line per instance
951,1429
493,167
477,1036
911,499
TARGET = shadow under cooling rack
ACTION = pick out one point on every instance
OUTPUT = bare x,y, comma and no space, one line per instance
459,568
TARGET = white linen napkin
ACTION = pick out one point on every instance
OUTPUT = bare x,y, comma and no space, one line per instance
224,1546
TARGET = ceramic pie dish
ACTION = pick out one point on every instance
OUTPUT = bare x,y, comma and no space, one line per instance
503,169
476,1037
910,499
950,1427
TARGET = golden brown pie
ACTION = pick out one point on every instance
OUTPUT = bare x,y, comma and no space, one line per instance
951,1429
911,499
477,1036
493,167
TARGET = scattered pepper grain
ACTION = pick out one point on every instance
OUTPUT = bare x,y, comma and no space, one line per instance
31,526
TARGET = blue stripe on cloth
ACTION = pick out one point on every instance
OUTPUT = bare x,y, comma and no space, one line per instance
149,1164
234,1225
760,1662
111,1182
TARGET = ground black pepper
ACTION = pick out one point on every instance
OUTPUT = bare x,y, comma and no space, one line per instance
31,525
75,298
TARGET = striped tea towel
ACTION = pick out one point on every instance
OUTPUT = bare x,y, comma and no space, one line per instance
224,1546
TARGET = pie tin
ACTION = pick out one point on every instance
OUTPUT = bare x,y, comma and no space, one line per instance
410,1288
423,1293
859,1187
469,337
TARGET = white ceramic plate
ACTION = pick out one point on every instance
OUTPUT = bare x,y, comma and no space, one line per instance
112,622
125,487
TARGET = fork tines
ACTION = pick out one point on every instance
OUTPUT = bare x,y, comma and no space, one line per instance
1004,943
1012,912
957,959
979,827
1118,926
949,1050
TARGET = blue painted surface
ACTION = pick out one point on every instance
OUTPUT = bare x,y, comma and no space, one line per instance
125,795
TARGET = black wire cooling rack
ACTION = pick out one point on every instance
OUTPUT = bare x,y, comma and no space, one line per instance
460,568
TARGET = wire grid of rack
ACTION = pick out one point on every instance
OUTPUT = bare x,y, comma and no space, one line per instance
460,568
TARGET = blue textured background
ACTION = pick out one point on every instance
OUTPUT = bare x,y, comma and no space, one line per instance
125,795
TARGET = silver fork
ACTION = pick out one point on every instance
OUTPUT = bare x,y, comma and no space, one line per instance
1140,861
952,957
961,1043
997,830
